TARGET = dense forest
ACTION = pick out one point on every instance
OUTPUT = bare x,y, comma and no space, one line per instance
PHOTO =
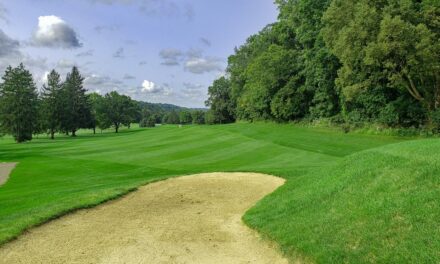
66,106
349,62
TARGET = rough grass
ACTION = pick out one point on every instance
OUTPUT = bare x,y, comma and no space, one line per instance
375,206
340,203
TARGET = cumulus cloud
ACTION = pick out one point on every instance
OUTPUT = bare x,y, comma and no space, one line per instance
119,53
150,87
202,65
8,46
52,31
193,60
171,57
193,91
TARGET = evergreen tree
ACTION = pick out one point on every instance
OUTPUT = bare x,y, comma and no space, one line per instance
52,104
76,113
18,103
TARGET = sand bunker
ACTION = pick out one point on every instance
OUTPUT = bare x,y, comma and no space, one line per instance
5,170
191,219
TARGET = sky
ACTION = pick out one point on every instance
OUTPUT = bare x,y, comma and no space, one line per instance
166,51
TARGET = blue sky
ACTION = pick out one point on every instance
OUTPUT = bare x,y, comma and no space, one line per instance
166,51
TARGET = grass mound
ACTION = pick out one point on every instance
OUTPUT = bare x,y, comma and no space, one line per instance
379,205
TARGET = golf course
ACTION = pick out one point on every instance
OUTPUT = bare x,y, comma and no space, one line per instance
349,198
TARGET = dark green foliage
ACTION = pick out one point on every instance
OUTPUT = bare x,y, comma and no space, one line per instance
198,117
171,118
386,44
185,117
116,110
51,106
148,122
76,111
365,61
18,104
210,117
220,101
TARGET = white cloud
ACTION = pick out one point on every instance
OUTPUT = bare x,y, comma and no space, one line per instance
150,87
193,91
52,31
171,57
202,65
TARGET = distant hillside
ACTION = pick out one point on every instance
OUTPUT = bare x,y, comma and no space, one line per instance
164,108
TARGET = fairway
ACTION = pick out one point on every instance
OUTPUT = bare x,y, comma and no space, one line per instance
324,169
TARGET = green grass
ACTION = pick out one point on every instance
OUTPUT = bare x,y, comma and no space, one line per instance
348,197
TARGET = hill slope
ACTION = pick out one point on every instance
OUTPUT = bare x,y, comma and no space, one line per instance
376,206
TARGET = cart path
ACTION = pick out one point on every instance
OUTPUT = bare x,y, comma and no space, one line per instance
5,170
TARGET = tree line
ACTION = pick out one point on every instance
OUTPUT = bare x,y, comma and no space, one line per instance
347,61
64,106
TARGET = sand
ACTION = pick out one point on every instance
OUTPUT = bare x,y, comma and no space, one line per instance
190,219
5,170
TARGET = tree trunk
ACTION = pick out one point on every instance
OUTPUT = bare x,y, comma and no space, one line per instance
116,129
73,133
94,130
52,134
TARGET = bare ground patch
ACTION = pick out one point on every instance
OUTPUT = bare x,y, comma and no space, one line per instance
191,219
5,170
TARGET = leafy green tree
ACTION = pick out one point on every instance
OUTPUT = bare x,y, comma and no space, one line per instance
76,111
116,110
219,99
148,122
95,101
18,104
185,117
210,117
171,118
319,65
385,45
52,103
198,117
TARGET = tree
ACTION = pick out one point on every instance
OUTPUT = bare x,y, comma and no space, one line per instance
116,110
51,103
18,99
76,112
94,100
219,99
171,118
148,122
198,117
387,46
185,117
